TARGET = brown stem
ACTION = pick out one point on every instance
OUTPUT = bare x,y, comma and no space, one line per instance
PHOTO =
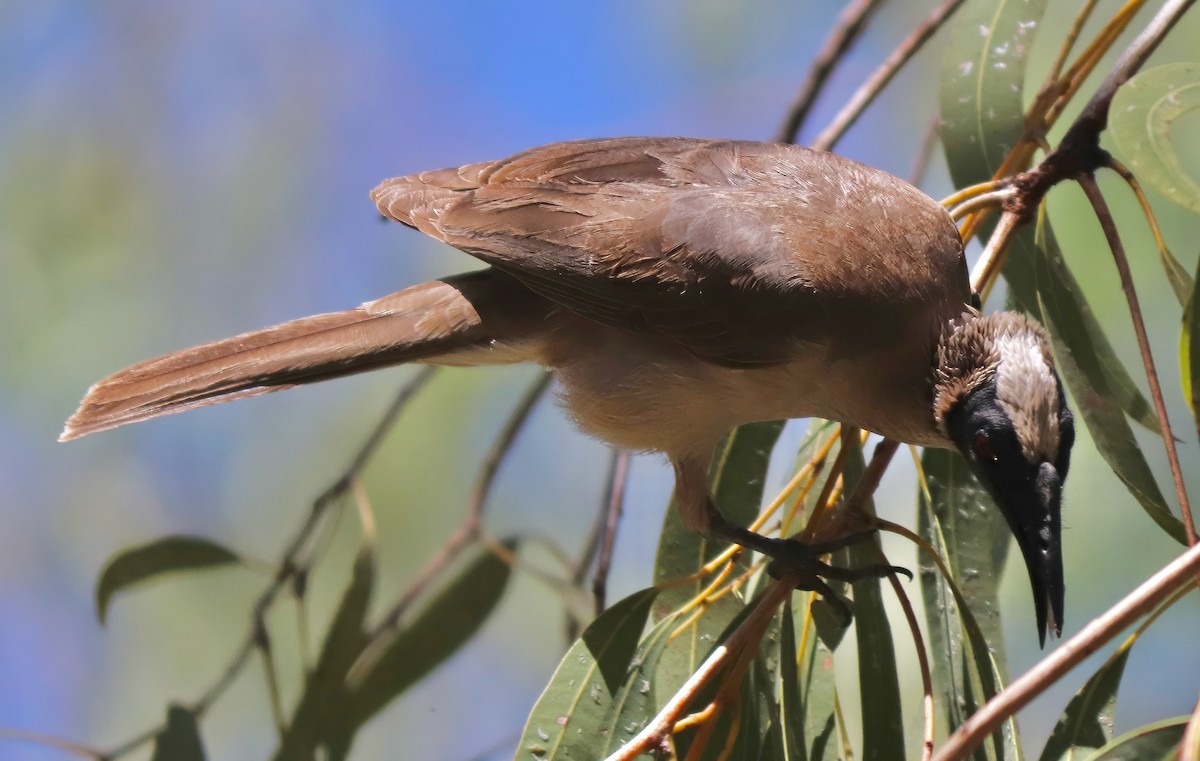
846,29
50,741
922,664
1071,653
612,518
867,93
1092,190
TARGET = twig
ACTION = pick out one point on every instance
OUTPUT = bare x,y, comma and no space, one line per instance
867,93
929,139
612,517
21,735
991,261
1071,653
1092,190
841,37
922,664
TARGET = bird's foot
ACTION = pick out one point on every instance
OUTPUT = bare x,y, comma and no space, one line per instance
799,561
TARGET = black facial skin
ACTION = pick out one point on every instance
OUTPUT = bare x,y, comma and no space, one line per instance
1028,494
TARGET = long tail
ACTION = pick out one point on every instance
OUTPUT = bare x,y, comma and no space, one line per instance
478,318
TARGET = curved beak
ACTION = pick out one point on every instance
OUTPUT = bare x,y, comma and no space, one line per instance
1032,509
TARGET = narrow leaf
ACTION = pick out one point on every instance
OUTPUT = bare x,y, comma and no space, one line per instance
879,681
737,476
1140,120
446,623
324,716
961,522
613,643
1087,721
579,714
172,554
180,740
982,107
1189,360
1151,742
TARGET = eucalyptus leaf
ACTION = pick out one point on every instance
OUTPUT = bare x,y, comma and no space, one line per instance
959,520
1140,119
879,680
582,713
443,626
1152,742
1189,359
737,475
172,554
1087,721
180,739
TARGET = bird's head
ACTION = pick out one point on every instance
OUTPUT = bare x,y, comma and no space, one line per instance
1000,400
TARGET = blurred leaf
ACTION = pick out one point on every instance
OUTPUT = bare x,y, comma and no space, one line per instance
581,713
1087,721
1189,361
447,623
1140,120
170,554
967,658
324,715
982,107
879,681
1148,743
737,475
180,740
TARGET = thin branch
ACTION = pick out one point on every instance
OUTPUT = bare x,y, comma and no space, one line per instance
1092,190
469,530
991,261
21,735
274,697
612,518
838,42
867,93
1071,653
929,140
922,664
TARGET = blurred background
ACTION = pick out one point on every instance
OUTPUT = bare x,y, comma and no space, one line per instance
172,173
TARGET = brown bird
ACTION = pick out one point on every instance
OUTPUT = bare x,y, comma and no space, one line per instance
679,288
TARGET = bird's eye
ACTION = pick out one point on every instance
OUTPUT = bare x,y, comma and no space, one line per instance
983,447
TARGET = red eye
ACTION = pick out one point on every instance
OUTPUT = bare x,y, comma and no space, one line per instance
983,447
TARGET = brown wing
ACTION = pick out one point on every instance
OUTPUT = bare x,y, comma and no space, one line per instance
739,251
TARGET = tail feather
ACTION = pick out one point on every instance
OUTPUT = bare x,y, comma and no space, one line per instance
471,315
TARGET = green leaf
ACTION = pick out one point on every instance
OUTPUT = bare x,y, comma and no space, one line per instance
446,623
819,707
180,740
1140,120
613,642
961,522
737,475
581,714
1087,721
324,715
982,107
879,682
172,554
981,91
1189,361
1148,743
